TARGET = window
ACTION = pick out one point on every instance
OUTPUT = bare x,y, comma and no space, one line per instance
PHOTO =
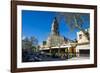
80,36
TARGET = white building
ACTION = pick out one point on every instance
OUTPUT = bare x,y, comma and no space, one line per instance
56,42
83,44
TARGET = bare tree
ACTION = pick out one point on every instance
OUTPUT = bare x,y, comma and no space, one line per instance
30,43
74,21
34,43
26,44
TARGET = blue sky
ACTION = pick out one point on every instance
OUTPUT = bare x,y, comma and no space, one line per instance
38,24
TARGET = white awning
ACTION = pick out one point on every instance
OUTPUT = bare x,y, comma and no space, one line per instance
86,46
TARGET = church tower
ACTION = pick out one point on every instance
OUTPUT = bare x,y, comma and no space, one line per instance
55,39
55,27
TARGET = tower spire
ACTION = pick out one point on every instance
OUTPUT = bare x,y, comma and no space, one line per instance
55,27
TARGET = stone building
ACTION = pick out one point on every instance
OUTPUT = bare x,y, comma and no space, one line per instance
83,44
55,43
55,39
58,44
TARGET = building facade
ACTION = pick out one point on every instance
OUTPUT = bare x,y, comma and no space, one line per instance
83,44
61,45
